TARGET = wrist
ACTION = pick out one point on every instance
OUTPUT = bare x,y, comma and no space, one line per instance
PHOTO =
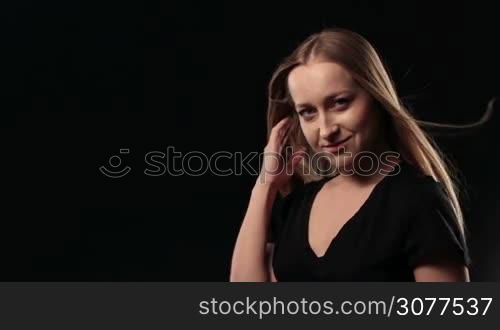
265,187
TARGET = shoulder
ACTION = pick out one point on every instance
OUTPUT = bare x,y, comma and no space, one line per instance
296,197
300,191
433,233
285,206
411,186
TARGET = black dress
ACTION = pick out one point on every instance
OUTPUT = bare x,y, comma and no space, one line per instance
406,221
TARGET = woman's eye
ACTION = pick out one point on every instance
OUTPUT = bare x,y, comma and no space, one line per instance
342,101
306,112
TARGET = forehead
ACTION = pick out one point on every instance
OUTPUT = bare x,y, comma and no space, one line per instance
309,81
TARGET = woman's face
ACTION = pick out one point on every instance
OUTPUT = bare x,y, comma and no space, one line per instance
336,115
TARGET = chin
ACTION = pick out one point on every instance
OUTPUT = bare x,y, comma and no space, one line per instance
344,162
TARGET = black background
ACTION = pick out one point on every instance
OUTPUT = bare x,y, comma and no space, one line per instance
83,80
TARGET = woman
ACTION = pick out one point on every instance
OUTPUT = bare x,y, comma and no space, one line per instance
375,218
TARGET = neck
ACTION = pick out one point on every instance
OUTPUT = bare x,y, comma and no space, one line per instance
369,170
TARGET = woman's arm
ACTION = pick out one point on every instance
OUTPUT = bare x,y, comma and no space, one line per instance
251,260
441,273
270,256
251,256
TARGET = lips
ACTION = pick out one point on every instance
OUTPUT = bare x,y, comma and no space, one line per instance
333,147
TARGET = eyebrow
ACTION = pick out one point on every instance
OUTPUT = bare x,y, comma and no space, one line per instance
328,97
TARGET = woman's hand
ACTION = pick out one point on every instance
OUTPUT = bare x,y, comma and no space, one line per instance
276,171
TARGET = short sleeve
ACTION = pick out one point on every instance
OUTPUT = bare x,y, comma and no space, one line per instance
282,208
433,232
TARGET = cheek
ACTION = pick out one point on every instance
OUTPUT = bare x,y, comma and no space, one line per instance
366,127
308,133
361,120
360,115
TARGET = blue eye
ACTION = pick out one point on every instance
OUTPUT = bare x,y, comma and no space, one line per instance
305,112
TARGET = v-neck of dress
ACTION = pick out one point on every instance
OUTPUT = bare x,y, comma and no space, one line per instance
316,189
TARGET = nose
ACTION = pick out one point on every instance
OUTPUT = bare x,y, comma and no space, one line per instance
327,128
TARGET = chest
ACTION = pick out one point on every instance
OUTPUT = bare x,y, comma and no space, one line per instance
330,211
351,237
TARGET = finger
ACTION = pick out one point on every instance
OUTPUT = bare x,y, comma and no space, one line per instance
287,130
295,160
278,130
286,133
283,120
281,124
275,131
284,142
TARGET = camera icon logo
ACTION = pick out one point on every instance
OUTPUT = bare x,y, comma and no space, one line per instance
115,162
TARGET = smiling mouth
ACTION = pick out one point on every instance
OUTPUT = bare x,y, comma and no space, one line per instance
333,147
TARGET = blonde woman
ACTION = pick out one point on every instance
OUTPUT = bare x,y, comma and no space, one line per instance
374,218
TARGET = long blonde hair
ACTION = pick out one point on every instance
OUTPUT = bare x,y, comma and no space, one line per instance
359,57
